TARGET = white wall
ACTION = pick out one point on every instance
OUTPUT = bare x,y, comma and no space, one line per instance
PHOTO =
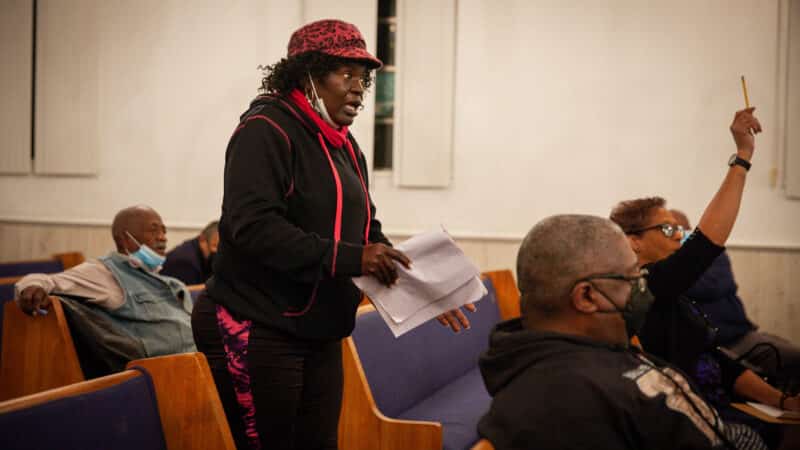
173,78
561,106
571,106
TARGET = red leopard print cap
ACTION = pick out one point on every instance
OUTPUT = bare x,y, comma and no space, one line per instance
332,37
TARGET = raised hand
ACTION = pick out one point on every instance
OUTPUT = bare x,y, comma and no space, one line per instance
744,128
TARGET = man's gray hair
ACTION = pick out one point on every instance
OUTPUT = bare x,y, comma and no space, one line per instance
560,250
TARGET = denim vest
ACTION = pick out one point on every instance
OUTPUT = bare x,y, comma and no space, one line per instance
157,309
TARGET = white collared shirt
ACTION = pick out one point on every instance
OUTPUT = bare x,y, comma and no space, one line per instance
91,280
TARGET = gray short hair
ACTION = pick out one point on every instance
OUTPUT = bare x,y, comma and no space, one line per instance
560,250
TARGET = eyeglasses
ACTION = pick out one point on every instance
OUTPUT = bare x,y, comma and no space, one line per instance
350,80
667,229
637,281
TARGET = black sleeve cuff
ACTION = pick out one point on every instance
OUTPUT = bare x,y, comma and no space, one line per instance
348,259
730,371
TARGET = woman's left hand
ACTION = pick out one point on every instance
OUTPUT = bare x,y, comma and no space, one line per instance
455,319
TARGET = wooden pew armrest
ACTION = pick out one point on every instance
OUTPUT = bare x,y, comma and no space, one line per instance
363,427
69,259
507,294
483,444
406,434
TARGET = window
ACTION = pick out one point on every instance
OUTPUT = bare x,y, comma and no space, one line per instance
384,86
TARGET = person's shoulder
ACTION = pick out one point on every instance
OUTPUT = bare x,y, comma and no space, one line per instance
90,265
271,114
587,369
183,249
570,391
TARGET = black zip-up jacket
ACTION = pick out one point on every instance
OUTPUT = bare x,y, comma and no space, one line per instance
278,263
674,332
716,294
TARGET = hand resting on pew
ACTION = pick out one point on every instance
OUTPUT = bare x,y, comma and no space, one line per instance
33,300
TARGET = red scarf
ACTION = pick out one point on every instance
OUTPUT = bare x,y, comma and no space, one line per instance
337,138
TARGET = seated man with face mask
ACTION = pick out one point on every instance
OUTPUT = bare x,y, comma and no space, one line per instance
125,286
563,375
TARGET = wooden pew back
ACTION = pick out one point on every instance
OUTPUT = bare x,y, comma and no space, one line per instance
57,263
190,411
188,403
38,352
363,426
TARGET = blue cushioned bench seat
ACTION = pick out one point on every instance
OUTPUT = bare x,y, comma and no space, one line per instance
457,406
123,415
157,403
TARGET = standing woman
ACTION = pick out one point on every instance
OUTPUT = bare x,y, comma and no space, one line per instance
297,223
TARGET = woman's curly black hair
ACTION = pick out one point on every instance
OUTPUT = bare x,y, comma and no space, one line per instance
290,73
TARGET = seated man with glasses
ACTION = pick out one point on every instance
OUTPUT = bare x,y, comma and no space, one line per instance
673,330
563,376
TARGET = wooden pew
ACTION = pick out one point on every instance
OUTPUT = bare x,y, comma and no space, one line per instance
38,352
189,409
361,423
363,426
507,293
57,263
70,259
66,260
188,403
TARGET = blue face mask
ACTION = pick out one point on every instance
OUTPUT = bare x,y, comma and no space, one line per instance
146,255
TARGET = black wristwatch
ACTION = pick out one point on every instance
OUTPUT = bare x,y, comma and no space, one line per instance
736,160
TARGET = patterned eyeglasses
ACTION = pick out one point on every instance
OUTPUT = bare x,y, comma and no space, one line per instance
667,229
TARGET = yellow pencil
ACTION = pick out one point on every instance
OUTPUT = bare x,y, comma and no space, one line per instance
744,89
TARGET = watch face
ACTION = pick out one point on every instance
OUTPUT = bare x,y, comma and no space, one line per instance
732,159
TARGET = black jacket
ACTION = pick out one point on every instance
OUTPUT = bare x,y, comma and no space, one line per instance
675,332
186,263
277,263
554,391
717,296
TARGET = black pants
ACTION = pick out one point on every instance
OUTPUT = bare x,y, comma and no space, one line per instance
296,385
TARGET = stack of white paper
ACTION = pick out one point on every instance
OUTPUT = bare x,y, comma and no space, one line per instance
441,278
774,412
